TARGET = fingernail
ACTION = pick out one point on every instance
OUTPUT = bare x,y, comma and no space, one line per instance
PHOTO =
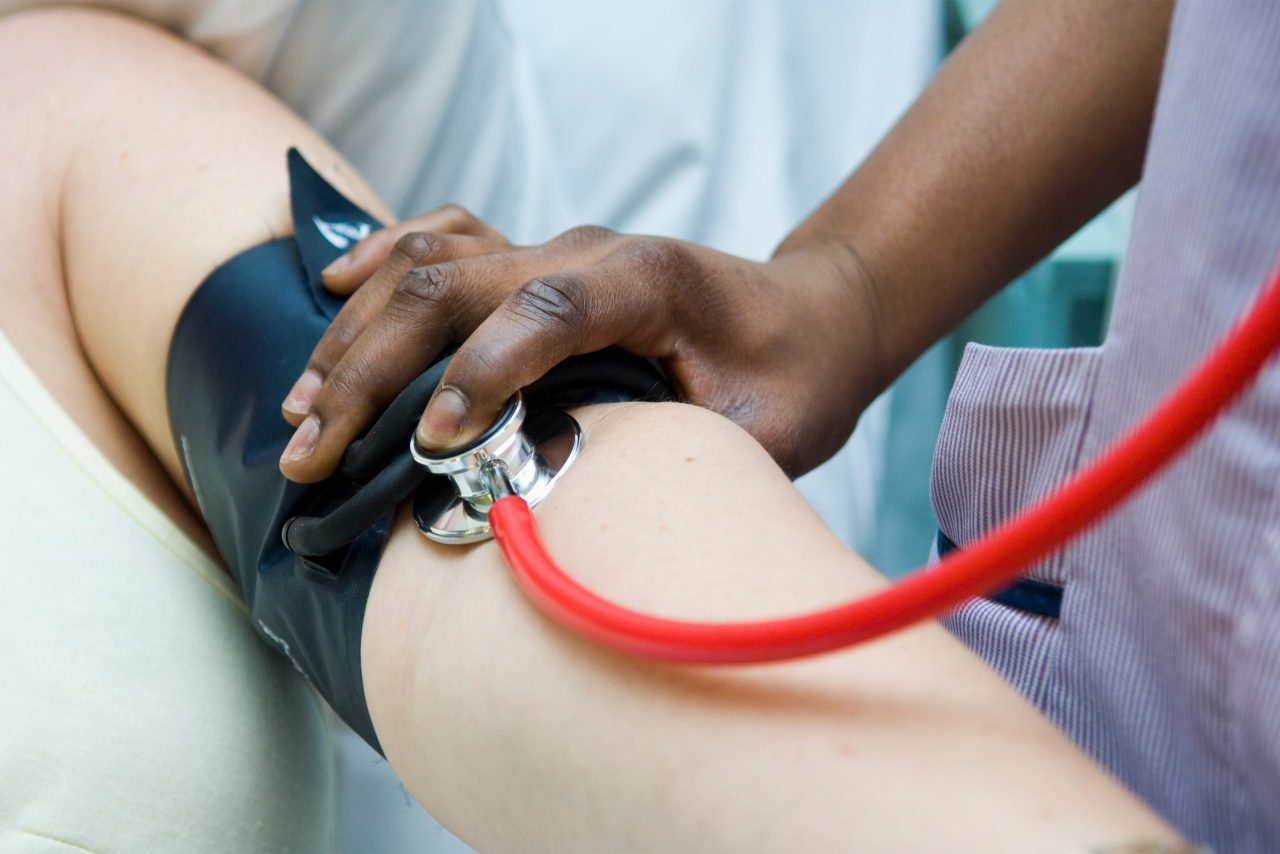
445,418
341,263
303,392
303,443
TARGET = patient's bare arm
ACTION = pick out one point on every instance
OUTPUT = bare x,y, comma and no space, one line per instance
152,165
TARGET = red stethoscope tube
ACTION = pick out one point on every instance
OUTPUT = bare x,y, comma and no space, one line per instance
986,565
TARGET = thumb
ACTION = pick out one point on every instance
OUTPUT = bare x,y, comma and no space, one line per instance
538,326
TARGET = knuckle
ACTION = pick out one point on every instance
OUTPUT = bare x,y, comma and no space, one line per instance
350,389
416,246
340,335
583,236
552,300
664,259
426,285
457,215
475,365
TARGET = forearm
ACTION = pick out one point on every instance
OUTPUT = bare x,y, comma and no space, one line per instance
1037,121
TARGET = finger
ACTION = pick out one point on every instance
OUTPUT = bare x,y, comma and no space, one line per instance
402,339
415,249
544,322
428,307
352,268
624,298
346,272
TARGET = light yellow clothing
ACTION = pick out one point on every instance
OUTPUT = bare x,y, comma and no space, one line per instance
138,711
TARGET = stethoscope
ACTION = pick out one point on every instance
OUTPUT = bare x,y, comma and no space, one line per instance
498,478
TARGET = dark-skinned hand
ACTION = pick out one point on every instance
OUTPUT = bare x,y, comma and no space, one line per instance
785,348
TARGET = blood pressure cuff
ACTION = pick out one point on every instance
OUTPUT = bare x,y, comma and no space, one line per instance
305,555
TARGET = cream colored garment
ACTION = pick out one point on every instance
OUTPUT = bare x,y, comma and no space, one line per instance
138,711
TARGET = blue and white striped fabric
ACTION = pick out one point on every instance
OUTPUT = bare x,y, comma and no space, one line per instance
1165,661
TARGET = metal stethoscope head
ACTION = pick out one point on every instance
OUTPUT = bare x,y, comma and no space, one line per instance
507,459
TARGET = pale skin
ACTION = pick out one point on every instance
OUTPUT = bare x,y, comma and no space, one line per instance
140,165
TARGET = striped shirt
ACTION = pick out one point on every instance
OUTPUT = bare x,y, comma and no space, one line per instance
1164,662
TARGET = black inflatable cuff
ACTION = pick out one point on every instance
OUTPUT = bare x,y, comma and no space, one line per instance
241,341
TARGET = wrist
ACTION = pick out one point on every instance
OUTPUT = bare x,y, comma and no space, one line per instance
842,288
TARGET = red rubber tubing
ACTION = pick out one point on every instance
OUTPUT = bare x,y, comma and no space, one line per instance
988,564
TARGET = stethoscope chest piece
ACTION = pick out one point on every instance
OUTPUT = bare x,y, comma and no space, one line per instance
515,455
